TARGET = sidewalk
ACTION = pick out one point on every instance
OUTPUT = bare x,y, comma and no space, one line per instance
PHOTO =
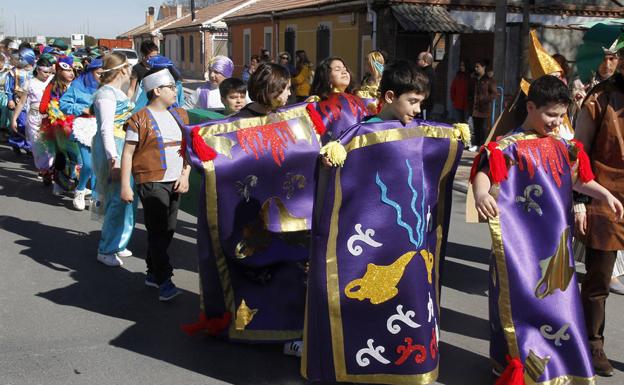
463,172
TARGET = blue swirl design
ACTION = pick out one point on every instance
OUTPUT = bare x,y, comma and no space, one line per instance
420,223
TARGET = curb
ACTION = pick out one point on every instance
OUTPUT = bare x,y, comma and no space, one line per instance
460,187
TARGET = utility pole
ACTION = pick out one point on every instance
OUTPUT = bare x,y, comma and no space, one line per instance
500,40
524,38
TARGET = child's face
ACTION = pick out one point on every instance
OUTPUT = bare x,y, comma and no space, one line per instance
545,119
339,76
167,94
234,101
282,98
406,107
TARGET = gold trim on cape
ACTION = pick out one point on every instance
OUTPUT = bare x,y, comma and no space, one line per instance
504,300
224,273
333,287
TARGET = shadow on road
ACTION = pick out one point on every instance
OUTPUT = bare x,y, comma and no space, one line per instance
119,293
460,366
464,278
464,324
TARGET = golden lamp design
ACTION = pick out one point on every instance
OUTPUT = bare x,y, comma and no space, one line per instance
556,270
244,315
428,257
379,283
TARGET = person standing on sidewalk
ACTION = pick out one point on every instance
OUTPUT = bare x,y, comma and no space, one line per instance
484,94
151,155
599,124
459,93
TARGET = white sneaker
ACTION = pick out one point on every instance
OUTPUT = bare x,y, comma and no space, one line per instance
293,348
57,190
79,200
473,149
109,259
125,253
87,191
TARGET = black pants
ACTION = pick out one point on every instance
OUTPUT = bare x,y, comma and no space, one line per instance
594,292
160,208
480,131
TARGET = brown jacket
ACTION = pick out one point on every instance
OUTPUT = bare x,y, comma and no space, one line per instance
146,165
484,93
603,111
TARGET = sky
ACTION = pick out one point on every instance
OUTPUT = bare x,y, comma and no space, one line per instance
100,18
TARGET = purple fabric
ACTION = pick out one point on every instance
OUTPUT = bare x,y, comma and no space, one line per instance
273,279
339,112
531,235
223,65
410,170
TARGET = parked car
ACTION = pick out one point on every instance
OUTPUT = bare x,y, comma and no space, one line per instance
131,54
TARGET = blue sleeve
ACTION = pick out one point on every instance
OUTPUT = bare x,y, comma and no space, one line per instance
9,86
180,94
74,101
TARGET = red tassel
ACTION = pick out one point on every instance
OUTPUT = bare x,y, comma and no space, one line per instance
498,164
584,165
380,104
212,326
319,126
203,151
513,374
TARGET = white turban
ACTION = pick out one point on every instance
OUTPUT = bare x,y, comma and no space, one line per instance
158,79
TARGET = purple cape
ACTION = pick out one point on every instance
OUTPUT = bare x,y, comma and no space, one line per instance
535,307
379,232
254,221
339,112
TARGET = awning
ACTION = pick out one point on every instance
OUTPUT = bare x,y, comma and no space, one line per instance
427,18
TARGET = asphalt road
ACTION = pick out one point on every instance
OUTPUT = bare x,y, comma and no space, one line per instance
67,319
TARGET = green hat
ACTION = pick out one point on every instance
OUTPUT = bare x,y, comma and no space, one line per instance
60,44
617,45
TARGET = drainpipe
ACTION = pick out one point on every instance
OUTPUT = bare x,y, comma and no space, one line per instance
371,17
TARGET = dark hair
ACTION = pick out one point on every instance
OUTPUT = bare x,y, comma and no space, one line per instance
548,89
321,86
150,94
232,85
563,62
42,62
267,83
301,59
401,77
23,45
255,57
148,46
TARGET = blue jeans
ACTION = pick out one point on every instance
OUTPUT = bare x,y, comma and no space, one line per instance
86,171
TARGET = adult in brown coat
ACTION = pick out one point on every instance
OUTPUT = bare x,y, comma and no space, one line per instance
600,127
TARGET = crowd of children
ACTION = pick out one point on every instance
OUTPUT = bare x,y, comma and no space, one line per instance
116,133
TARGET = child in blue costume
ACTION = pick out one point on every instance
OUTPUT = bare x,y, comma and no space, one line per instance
112,108
158,62
15,88
77,101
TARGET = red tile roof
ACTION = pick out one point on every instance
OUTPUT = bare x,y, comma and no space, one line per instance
267,6
205,14
144,28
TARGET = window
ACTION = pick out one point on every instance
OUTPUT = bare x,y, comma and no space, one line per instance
181,48
191,49
323,36
290,36
268,39
247,46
